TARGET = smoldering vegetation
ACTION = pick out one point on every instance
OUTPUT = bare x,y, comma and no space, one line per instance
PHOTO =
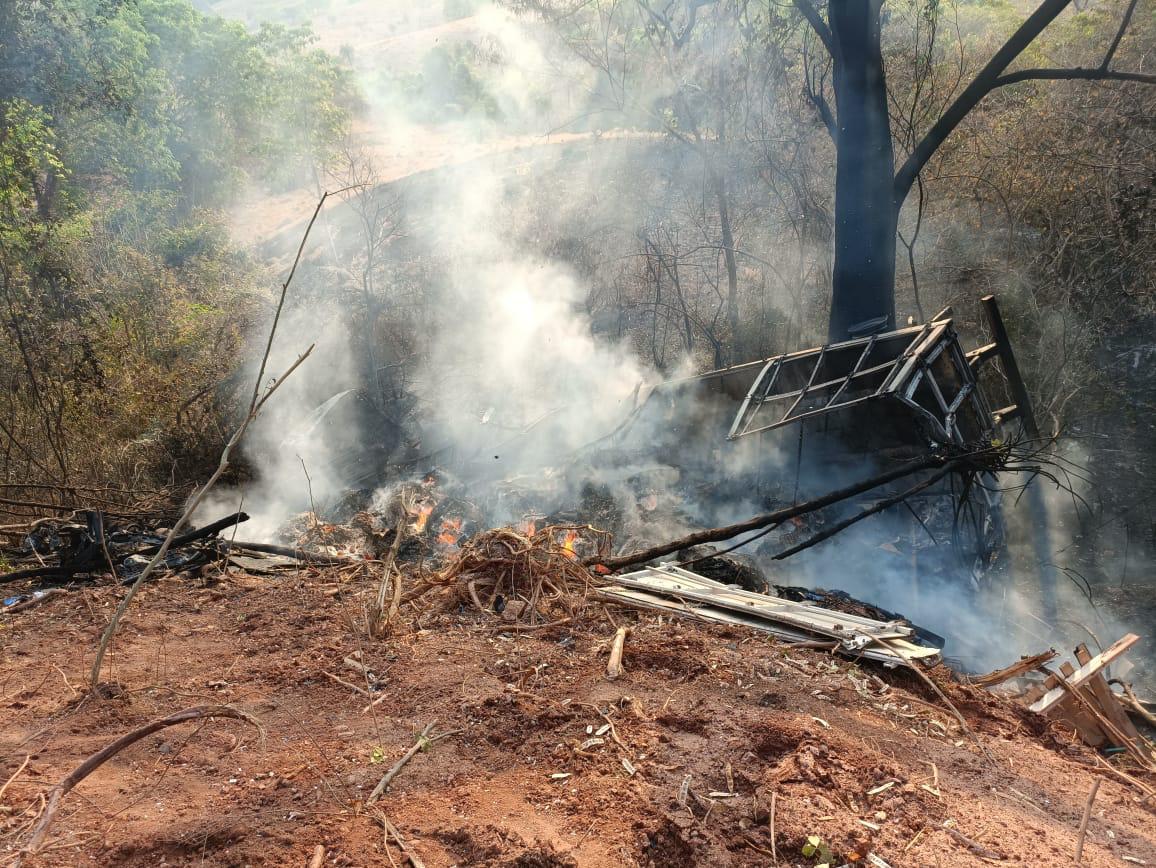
521,303
546,209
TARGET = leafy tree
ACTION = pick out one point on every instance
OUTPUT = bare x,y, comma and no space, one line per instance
122,302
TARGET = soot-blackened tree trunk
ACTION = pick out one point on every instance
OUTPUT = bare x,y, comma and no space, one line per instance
869,192
863,282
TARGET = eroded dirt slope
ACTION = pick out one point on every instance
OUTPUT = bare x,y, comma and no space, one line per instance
711,722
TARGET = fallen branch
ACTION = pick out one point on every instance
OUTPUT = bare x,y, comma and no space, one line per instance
34,573
882,505
35,600
200,533
974,846
391,832
318,858
14,776
1147,791
1132,703
98,759
779,516
345,683
290,552
423,740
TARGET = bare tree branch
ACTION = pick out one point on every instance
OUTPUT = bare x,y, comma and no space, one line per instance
980,87
255,404
1078,73
1124,22
817,24
992,76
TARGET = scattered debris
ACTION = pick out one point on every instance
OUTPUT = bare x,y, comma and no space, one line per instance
1080,699
672,589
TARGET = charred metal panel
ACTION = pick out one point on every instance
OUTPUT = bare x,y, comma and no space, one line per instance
922,372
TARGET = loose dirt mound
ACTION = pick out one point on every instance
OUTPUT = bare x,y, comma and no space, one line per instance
676,763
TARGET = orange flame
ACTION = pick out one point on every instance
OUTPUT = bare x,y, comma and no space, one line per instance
451,531
423,513
568,544
528,527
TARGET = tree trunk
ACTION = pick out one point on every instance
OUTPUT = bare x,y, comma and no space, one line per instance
865,215
728,243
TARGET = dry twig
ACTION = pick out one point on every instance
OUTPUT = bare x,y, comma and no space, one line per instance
955,711
257,401
614,665
94,762
1084,821
423,741
391,832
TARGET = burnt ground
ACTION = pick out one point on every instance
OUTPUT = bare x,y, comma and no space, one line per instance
727,709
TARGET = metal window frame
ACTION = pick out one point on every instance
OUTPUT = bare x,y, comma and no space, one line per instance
920,350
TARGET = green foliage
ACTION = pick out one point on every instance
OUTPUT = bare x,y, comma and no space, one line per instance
29,166
454,9
449,86
156,95
124,126
816,848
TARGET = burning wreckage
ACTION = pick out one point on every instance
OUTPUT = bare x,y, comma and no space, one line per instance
820,439
887,424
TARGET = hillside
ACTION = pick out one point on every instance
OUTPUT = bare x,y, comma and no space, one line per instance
714,723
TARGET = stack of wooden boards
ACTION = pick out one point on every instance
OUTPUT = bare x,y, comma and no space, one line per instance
1078,696
668,588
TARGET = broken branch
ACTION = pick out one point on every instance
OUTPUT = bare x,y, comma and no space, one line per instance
1084,821
422,740
780,515
98,759
882,505
614,665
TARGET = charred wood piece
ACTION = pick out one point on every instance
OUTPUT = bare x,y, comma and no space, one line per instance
88,549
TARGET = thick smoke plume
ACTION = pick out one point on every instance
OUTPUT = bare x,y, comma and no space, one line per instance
499,370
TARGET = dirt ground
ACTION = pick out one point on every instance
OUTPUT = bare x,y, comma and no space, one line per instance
722,749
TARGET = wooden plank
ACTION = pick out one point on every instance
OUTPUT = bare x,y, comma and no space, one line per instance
1011,369
1140,750
1108,705
1022,667
1033,694
1086,671
1072,714
1105,698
